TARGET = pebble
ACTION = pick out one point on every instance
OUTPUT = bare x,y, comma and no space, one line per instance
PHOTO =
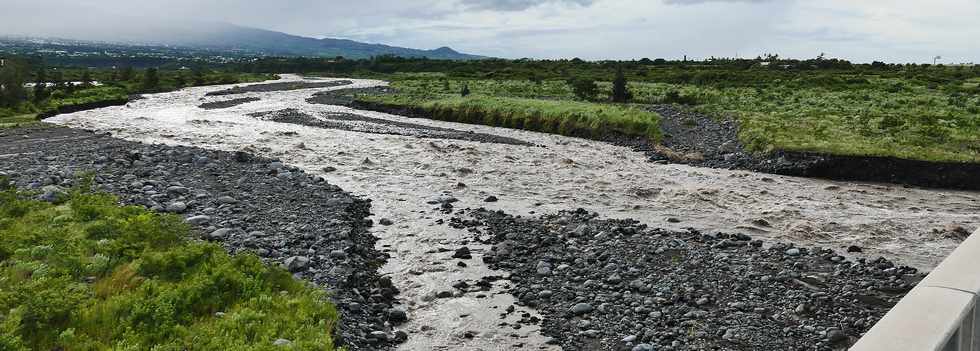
177,207
581,308
199,220
297,263
221,233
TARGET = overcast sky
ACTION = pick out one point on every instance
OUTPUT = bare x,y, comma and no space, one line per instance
860,30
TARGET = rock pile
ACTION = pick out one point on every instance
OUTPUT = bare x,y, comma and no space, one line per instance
618,285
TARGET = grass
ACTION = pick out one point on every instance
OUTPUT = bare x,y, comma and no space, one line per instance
564,117
18,121
87,274
841,114
885,117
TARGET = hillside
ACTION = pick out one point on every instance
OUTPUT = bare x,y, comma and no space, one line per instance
238,38
216,38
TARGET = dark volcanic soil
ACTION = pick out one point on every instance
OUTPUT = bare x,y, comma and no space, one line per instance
244,202
227,103
618,285
364,124
345,97
283,86
701,140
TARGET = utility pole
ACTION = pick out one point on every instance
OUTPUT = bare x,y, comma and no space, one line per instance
935,59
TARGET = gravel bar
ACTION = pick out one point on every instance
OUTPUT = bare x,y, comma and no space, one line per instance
247,203
618,285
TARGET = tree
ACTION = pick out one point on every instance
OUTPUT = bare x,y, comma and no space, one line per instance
620,92
40,86
466,90
180,81
150,79
12,78
583,88
126,74
86,79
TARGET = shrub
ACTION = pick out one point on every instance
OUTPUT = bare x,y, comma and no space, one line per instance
583,88
140,284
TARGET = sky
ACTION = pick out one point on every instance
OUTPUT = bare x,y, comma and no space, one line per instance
858,30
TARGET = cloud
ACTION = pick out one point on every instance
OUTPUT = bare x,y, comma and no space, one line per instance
695,2
518,5
888,30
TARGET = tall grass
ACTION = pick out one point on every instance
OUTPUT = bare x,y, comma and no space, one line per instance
563,117
844,114
90,275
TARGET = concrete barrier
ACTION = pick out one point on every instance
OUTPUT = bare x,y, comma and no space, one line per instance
939,314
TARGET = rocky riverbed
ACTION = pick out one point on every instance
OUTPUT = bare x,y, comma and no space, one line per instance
246,203
619,285
417,184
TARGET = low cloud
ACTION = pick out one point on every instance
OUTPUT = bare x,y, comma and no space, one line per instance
518,5
695,2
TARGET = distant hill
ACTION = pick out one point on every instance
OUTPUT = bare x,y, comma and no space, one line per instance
222,37
238,38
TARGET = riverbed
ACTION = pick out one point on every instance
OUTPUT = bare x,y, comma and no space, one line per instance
409,171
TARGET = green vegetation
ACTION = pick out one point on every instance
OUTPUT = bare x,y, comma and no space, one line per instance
821,105
86,274
549,116
58,88
18,121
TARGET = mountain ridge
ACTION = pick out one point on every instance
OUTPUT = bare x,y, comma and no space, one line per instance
255,41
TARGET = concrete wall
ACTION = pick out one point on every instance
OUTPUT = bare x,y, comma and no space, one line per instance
938,314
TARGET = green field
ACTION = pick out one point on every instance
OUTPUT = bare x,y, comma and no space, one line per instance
842,113
87,274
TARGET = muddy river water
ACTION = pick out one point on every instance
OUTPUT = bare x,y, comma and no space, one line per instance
402,173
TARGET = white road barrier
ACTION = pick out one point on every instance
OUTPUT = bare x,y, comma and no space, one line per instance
939,314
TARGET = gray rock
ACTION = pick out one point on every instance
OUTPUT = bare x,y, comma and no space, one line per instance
643,347
177,190
221,233
199,220
793,252
385,221
177,207
835,336
297,263
581,308
53,193
543,268
338,254
396,315
281,342
227,200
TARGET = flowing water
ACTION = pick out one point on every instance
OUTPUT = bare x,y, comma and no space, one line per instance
403,173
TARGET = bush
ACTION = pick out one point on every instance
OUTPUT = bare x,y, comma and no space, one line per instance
583,88
90,275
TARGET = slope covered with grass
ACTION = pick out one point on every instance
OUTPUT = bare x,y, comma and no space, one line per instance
839,113
564,117
86,274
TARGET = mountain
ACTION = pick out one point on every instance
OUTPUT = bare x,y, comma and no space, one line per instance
238,38
223,37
